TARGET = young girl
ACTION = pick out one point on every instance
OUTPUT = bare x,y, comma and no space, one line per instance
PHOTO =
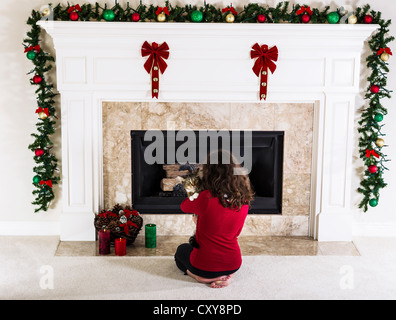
220,210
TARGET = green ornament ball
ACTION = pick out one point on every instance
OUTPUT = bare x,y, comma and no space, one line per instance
108,15
36,179
196,16
378,117
373,202
333,17
31,55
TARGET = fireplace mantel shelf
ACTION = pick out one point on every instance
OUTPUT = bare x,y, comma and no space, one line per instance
210,62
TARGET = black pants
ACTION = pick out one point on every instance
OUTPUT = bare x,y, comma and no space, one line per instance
182,259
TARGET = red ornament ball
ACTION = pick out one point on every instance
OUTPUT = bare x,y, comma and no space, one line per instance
39,152
261,18
373,168
37,79
374,88
305,18
368,19
135,17
73,16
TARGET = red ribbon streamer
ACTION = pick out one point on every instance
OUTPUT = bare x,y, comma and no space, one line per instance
371,152
127,225
164,10
108,214
128,213
229,9
264,60
45,110
382,50
31,48
72,8
48,183
304,9
155,63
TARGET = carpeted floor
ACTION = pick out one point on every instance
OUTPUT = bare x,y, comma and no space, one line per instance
29,269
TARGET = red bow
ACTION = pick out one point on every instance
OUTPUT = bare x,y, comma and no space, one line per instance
45,110
72,8
265,60
37,48
48,183
230,9
128,213
371,152
304,9
108,214
164,10
387,50
127,225
155,63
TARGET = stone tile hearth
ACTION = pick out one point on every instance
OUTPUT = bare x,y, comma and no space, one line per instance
250,246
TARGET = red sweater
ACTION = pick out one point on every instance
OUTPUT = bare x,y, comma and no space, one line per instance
217,233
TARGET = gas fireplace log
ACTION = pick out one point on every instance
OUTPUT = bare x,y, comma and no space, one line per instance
167,184
175,174
171,167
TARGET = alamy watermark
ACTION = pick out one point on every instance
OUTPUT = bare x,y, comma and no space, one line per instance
47,279
347,281
164,146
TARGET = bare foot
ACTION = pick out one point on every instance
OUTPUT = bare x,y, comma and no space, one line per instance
207,280
219,284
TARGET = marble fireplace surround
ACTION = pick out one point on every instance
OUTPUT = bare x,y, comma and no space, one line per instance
209,63
296,120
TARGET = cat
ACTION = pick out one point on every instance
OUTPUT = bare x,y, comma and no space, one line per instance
193,186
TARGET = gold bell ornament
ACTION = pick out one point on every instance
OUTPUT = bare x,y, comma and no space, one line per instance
384,56
352,19
230,18
161,17
380,142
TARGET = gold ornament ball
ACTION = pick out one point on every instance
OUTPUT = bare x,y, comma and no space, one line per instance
352,19
46,12
161,17
230,18
42,115
380,142
384,56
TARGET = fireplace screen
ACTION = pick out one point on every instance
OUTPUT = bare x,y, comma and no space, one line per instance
160,158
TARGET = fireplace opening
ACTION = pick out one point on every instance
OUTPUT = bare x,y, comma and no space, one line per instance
156,188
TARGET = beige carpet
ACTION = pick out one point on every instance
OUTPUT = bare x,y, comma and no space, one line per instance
29,269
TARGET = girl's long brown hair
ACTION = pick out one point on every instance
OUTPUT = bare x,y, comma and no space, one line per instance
233,191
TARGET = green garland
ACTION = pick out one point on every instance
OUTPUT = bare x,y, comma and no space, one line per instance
46,173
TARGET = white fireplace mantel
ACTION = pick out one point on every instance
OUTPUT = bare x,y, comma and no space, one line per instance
101,61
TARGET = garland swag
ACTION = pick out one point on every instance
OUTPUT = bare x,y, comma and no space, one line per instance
370,140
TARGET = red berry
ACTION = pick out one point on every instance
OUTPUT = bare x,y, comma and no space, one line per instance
374,89
373,168
74,16
305,18
37,79
261,18
368,19
39,152
135,17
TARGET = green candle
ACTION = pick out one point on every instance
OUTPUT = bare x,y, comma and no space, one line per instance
151,235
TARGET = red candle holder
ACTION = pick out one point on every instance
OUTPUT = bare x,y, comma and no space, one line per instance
104,241
120,247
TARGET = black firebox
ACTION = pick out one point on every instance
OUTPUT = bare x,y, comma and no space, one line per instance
266,148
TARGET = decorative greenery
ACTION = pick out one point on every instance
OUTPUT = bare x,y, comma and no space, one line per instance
370,127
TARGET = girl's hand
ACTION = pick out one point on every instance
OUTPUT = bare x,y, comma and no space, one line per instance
195,218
